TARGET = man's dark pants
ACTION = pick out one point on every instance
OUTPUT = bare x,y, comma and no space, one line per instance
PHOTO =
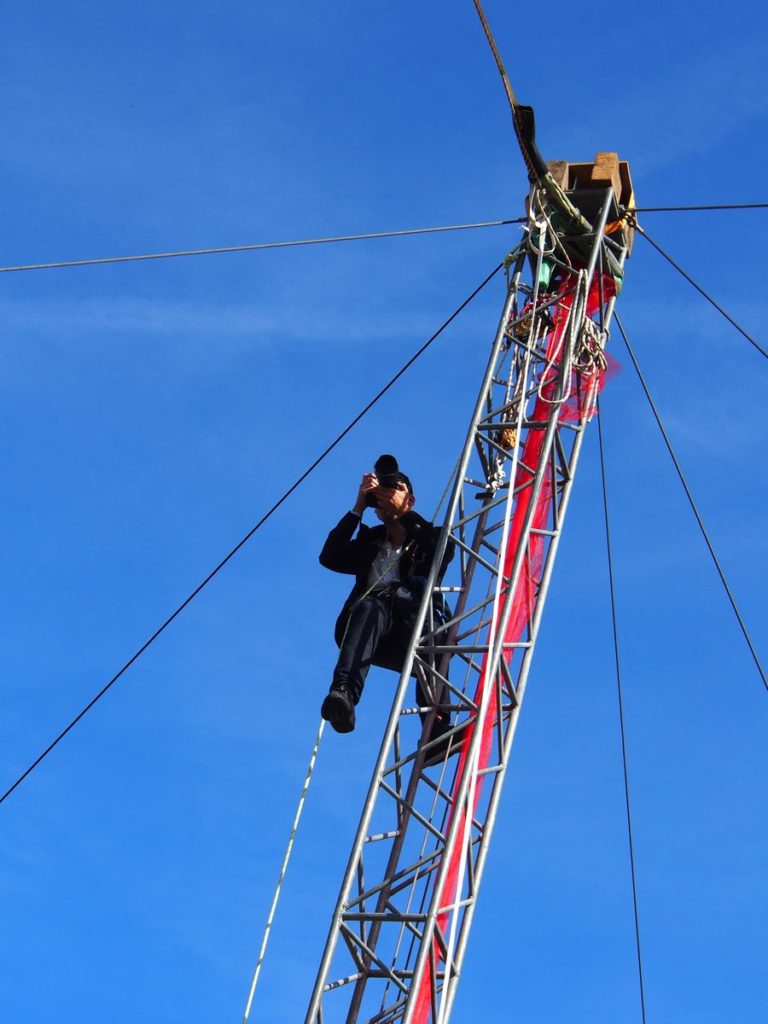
382,614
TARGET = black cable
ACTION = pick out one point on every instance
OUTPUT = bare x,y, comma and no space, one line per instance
693,209
621,712
701,291
692,503
248,535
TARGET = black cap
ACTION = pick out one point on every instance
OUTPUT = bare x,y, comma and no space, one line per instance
386,465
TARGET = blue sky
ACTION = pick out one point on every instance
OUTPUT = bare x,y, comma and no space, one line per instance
152,412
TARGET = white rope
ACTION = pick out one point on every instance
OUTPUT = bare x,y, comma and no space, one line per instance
302,798
283,869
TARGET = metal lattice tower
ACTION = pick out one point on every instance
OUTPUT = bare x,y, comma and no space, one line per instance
401,925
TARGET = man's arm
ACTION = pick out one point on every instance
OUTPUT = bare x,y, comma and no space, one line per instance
340,551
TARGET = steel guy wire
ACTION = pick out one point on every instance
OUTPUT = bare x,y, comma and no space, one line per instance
696,209
692,503
254,247
244,540
701,291
100,260
617,659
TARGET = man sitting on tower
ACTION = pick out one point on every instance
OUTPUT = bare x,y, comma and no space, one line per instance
390,564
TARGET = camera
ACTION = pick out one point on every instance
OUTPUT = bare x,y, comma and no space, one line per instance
388,474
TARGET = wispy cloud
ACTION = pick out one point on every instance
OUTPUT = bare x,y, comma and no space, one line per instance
674,110
693,108
142,317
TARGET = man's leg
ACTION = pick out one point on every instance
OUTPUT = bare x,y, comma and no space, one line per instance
404,619
441,723
368,621
444,738
441,734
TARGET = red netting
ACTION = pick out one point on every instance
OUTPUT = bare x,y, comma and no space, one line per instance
580,405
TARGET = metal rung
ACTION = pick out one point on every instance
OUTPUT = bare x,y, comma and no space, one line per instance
341,981
380,836
384,916
439,707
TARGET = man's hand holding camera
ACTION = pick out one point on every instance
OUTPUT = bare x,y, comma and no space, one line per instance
366,495
390,500
386,489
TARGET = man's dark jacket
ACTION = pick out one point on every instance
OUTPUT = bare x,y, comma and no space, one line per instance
343,552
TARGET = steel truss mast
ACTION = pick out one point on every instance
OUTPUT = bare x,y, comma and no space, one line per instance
401,924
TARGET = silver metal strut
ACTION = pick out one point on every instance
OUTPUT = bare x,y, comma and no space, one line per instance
400,927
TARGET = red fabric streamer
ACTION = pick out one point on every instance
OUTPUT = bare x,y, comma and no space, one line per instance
579,406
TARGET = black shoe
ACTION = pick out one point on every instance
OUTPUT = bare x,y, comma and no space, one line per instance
339,709
439,751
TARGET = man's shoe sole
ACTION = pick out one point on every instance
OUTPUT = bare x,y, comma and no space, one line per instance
339,711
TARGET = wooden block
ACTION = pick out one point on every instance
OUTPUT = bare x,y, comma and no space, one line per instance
559,171
605,172
579,175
